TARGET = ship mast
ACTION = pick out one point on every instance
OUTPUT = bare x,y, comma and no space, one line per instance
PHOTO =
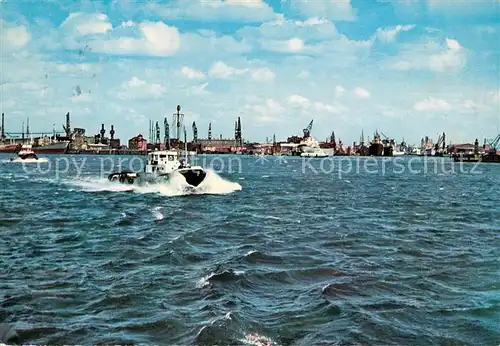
185,145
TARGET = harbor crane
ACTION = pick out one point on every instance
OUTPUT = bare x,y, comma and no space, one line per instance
307,130
195,132
67,127
440,143
493,145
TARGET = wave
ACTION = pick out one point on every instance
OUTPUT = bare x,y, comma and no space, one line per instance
18,160
176,186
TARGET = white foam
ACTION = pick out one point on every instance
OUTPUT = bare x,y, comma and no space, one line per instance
19,160
258,340
158,214
176,186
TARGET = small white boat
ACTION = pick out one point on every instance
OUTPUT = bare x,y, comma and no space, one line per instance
309,147
27,155
319,153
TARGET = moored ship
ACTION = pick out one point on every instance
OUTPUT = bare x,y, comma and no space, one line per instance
9,148
376,147
60,147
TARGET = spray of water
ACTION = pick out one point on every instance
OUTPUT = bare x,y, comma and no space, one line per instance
26,161
175,186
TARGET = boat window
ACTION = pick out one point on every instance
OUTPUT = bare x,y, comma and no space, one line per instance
162,156
171,157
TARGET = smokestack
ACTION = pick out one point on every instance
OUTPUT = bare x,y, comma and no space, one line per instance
3,127
68,125
178,122
103,131
112,132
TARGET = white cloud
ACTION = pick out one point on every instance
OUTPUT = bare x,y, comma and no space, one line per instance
362,93
298,101
390,34
471,105
220,70
431,57
330,9
208,42
301,102
136,88
339,91
281,28
199,90
295,44
263,75
192,73
13,37
328,108
494,96
289,36
214,10
82,24
157,39
268,111
432,104
304,74
128,24
453,44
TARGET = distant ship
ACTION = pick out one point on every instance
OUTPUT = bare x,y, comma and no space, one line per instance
53,148
376,147
9,148
309,147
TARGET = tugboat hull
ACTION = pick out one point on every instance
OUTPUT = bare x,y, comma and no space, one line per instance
193,177
123,177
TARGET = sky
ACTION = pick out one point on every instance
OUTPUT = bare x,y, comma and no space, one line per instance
407,68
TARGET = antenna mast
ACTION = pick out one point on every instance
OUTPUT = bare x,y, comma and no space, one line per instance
167,134
178,117
157,134
185,145
2,135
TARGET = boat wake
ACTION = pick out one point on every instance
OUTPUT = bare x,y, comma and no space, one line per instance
176,186
19,160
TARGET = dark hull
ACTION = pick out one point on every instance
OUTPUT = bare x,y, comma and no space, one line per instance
58,148
9,148
193,177
42,150
388,151
376,149
487,158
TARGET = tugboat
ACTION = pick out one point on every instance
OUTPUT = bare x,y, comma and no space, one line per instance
163,165
26,154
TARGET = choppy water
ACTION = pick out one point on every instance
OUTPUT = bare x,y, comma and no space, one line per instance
271,253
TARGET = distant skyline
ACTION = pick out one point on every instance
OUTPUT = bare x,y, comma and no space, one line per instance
408,68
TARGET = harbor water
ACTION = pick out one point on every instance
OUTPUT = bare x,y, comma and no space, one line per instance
269,251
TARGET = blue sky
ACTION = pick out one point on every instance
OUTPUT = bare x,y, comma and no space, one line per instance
408,68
